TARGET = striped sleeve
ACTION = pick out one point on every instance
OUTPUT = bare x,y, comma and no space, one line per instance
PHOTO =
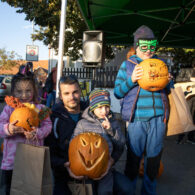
122,83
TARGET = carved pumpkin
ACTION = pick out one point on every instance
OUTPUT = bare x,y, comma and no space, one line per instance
155,75
141,169
88,155
27,118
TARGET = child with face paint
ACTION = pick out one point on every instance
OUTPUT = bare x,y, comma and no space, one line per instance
23,87
145,113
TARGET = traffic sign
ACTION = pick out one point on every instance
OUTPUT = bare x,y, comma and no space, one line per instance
32,53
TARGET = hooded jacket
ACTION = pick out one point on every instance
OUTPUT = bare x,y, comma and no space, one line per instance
58,140
11,141
114,136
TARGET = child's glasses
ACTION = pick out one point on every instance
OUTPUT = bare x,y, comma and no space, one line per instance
145,45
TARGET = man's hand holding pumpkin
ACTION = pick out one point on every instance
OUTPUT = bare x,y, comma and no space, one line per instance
67,165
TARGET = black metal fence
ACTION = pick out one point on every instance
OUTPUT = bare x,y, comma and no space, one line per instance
101,77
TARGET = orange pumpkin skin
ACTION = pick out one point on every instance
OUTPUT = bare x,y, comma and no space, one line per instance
2,147
141,169
27,118
88,155
155,75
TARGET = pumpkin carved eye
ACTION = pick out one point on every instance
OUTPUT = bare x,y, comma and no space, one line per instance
97,143
83,142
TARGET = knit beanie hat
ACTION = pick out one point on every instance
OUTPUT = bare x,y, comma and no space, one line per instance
97,98
143,32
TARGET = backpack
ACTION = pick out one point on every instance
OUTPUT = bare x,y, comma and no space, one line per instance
49,83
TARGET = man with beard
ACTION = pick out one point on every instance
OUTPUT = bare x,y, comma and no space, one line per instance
65,116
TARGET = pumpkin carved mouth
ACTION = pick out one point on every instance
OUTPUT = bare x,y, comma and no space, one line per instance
90,164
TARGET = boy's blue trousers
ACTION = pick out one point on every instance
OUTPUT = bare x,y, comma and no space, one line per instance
145,138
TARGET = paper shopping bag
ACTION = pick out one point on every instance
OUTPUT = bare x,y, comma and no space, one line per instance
80,188
32,171
180,118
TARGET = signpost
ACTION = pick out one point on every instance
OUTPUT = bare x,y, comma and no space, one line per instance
32,53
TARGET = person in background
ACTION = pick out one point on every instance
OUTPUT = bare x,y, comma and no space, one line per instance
51,88
22,87
145,112
188,90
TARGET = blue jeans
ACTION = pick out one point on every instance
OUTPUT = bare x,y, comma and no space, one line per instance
145,138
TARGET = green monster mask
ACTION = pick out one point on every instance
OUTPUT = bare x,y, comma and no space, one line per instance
145,45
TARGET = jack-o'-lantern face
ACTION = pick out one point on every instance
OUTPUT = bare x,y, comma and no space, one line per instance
155,75
88,155
26,117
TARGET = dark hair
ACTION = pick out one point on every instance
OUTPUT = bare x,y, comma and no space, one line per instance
70,80
25,70
20,77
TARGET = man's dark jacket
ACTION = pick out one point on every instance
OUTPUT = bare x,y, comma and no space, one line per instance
58,140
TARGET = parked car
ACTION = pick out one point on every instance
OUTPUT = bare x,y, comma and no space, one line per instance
5,85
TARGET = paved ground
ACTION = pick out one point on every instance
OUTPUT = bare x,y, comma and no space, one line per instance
178,177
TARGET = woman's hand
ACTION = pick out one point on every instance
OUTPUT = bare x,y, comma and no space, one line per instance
13,129
67,165
137,73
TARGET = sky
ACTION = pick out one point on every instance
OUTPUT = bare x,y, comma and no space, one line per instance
15,33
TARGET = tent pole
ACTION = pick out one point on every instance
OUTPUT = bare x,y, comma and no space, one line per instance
61,43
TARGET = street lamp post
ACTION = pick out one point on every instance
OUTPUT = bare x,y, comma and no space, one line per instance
61,43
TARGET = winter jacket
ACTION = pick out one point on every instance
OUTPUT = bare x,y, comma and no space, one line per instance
113,136
10,141
58,140
150,104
